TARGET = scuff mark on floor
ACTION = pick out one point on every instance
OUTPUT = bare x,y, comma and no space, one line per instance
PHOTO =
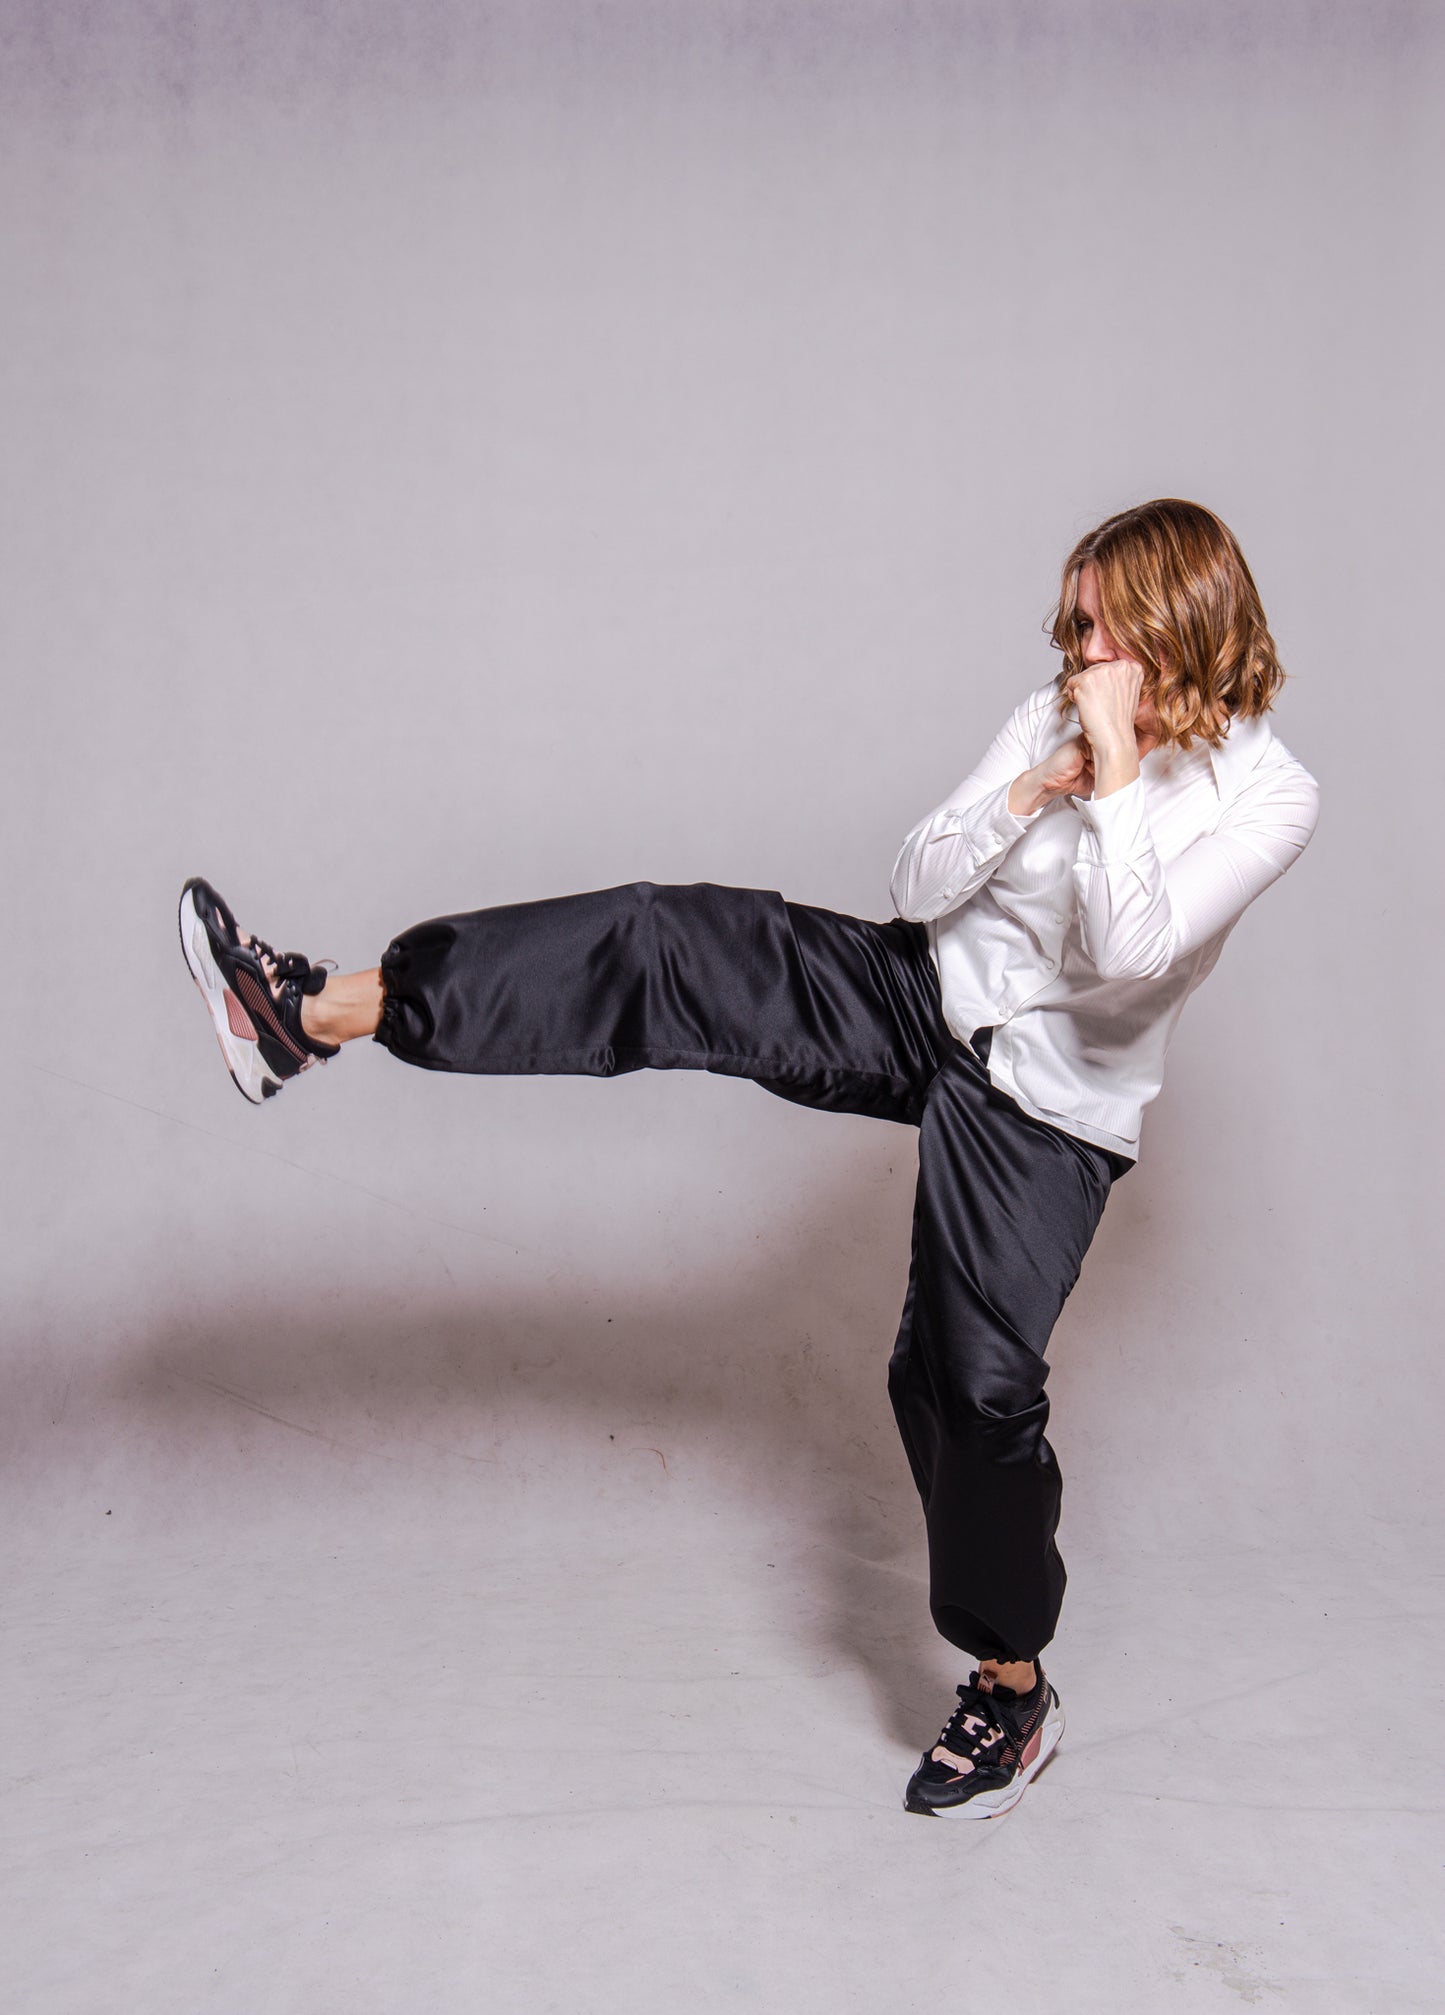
244,1399
1233,1965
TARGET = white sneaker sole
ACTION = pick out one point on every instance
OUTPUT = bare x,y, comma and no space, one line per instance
243,1057
992,1804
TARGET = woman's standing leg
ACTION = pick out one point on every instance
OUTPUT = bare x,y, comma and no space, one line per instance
1005,1212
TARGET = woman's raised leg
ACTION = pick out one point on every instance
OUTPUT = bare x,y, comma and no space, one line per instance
824,1009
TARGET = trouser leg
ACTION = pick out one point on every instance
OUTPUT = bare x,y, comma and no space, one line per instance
824,1009
1005,1211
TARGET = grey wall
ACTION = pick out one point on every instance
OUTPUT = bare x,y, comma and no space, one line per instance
456,454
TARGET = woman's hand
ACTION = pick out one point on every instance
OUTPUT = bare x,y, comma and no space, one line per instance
1066,770
1119,727
1119,724
1107,696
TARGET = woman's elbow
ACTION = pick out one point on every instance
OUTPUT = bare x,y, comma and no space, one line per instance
909,895
919,906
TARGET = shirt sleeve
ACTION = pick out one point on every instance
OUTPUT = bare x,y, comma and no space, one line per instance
1136,920
952,852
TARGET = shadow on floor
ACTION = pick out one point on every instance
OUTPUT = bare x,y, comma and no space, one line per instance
773,1376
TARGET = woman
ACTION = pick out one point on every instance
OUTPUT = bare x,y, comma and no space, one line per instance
1054,914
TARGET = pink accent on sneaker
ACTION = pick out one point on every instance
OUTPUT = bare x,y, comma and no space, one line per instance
237,1019
261,1004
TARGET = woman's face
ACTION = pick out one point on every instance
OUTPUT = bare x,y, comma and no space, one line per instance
1097,646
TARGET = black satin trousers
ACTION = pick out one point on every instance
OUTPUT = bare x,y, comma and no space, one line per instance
835,1012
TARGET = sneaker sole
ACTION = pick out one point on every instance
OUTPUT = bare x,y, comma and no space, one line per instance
993,1804
243,1057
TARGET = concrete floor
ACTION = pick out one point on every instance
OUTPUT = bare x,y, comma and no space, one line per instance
348,1765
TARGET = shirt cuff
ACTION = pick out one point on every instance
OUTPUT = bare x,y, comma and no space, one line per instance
1118,824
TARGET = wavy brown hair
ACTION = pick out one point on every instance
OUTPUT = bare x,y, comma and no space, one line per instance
1177,596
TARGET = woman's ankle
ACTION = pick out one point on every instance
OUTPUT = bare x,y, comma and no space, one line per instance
347,1007
1019,1675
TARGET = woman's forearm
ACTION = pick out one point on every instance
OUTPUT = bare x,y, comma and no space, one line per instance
1026,794
1115,767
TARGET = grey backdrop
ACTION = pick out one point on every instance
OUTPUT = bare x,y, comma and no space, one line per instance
455,454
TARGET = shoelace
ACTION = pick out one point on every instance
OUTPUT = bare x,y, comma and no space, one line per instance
976,1705
283,967
288,965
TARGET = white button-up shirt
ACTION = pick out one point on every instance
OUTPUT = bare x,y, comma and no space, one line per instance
1079,932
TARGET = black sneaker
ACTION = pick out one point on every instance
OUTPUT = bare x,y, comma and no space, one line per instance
254,995
992,1746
